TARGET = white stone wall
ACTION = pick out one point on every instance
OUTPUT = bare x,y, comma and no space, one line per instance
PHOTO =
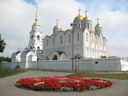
115,64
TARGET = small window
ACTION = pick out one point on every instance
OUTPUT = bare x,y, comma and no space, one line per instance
88,25
38,48
79,25
84,25
61,41
38,37
86,37
96,62
77,36
32,37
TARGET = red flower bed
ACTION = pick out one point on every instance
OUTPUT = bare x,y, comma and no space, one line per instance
63,83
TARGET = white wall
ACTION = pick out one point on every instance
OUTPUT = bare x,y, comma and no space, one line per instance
88,64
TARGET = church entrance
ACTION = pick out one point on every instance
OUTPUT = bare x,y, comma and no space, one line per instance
54,58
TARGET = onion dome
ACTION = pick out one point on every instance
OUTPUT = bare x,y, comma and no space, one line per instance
98,26
78,18
57,26
87,18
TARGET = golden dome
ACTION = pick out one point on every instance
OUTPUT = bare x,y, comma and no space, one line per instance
98,25
57,26
86,18
79,18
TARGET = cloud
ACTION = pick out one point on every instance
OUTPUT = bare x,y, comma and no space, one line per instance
115,27
15,21
17,16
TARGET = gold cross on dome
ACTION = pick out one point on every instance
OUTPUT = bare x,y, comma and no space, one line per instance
97,20
57,21
86,12
79,10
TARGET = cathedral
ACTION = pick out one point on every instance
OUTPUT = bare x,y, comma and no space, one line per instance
80,42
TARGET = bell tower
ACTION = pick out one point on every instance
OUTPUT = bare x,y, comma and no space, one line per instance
35,39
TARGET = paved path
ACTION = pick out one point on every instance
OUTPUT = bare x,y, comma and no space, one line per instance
7,88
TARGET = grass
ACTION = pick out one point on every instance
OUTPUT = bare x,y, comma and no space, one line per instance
91,73
121,76
10,72
102,74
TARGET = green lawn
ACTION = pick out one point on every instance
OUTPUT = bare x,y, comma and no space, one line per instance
106,74
122,76
10,72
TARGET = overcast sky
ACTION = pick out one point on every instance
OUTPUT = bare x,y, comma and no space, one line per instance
17,16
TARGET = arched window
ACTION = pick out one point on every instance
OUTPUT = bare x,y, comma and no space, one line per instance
86,37
31,47
96,40
92,38
88,25
38,37
77,36
32,37
69,38
79,25
38,48
84,25
54,58
61,41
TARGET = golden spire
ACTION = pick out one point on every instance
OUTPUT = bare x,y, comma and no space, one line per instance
36,16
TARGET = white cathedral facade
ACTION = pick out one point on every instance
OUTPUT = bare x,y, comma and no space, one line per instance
81,42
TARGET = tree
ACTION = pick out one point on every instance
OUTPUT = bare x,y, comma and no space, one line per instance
5,59
2,45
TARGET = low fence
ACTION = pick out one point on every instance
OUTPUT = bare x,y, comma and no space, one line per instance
88,64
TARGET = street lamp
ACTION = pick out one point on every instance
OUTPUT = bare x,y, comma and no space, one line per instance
72,24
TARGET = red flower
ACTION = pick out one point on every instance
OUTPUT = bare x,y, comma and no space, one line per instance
63,83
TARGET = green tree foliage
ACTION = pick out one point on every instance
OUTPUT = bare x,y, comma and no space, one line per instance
2,45
5,59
